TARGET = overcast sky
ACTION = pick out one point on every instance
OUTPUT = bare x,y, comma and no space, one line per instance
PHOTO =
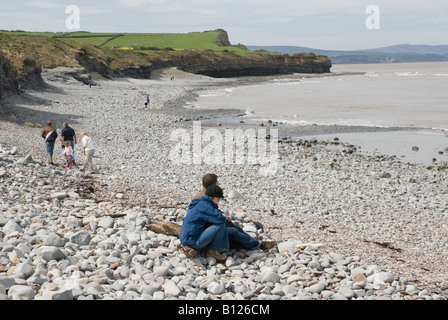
321,24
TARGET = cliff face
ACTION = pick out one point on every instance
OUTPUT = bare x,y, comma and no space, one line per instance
22,59
31,75
8,77
261,65
233,65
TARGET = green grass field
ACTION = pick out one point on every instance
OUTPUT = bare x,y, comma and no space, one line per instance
147,41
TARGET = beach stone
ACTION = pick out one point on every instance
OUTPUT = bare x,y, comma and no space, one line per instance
61,294
106,222
51,253
53,240
288,289
286,246
338,296
381,277
270,276
171,288
386,277
81,238
59,195
11,227
327,294
133,237
150,288
161,270
317,288
359,277
346,292
357,270
216,288
25,268
26,159
18,292
7,282
234,195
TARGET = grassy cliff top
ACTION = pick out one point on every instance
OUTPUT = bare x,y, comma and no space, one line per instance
216,40
104,52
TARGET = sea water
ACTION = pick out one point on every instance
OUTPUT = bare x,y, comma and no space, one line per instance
408,95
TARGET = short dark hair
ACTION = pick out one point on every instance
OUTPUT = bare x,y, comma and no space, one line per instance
214,191
209,179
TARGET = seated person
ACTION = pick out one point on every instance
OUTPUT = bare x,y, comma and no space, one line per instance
207,180
205,225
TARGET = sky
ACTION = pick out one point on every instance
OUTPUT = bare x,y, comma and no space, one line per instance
319,24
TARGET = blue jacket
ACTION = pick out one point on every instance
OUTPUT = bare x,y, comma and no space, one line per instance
202,213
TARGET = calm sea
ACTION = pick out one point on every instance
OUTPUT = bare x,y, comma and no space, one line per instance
385,95
375,95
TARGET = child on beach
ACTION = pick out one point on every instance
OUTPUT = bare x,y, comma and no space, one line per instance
147,102
68,152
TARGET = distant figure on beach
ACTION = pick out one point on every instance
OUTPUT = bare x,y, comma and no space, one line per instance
50,134
89,151
147,102
68,153
68,134
206,226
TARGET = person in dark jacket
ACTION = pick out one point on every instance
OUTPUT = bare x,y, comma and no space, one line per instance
206,225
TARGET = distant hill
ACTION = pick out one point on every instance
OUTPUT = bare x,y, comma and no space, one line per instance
392,54
414,49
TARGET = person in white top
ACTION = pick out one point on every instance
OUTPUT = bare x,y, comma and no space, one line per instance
89,151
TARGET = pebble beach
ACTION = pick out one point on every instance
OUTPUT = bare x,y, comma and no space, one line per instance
349,226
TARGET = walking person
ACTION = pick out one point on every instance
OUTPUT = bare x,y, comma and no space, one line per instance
89,151
68,134
68,153
147,102
50,134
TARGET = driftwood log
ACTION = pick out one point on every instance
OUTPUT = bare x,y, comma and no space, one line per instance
165,227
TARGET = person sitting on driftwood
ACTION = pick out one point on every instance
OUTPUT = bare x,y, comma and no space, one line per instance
206,226
207,180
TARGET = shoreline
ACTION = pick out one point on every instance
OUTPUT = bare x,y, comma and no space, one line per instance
431,152
353,204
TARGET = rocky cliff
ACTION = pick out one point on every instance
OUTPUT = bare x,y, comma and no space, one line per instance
8,77
260,65
22,58
228,64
